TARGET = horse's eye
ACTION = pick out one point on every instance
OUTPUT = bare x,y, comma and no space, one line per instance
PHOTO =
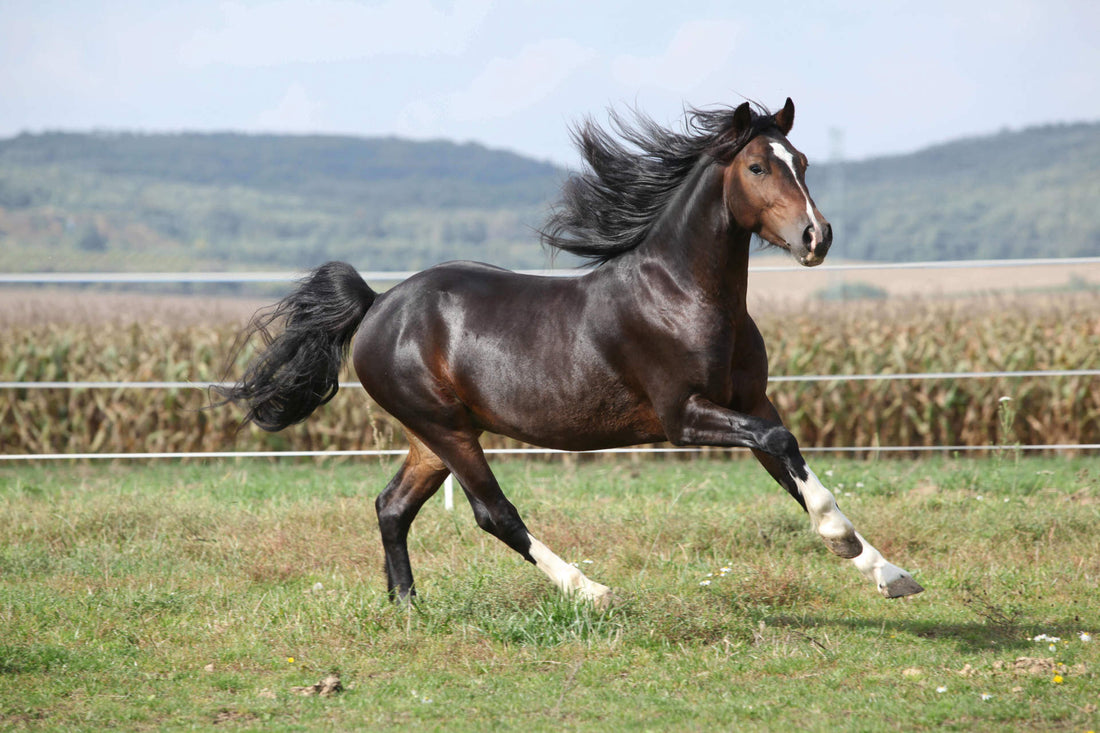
756,169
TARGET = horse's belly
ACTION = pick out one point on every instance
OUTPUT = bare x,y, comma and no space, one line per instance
569,419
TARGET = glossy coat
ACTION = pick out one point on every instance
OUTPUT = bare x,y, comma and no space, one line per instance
653,344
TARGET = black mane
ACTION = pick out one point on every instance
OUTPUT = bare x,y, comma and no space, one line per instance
608,208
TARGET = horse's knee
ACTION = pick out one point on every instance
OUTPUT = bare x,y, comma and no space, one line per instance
779,442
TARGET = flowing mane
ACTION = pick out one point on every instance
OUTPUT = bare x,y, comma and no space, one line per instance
609,208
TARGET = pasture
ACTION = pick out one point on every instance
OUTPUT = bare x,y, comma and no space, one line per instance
201,594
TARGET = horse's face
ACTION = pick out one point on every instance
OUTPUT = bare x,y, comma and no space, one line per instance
765,189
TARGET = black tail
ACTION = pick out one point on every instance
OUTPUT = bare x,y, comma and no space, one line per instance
299,370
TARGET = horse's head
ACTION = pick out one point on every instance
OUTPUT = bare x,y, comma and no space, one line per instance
765,189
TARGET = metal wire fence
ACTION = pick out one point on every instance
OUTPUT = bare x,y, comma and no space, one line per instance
269,277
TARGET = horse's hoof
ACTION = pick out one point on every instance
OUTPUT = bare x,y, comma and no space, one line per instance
604,602
904,585
846,547
600,596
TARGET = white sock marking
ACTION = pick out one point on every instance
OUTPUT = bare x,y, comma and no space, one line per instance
830,523
565,576
875,567
827,519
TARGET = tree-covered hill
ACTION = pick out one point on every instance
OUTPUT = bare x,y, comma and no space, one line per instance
123,201
228,201
393,172
1032,193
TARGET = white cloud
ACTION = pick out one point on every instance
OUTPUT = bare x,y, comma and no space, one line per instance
698,51
319,31
509,85
295,112
505,87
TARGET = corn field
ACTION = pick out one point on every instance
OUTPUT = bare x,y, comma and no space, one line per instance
882,337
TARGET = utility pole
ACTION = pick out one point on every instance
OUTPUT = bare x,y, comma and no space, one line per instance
835,188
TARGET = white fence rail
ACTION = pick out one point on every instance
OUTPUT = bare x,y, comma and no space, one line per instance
152,278
910,376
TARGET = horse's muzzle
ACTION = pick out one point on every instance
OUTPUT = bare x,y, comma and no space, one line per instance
815,245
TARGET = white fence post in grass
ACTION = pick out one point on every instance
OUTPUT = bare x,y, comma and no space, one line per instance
449,493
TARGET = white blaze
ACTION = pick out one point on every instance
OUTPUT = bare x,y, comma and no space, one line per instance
785,155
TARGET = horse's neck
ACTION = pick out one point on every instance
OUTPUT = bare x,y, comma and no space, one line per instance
697,241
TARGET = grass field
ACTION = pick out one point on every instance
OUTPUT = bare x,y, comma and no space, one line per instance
175,596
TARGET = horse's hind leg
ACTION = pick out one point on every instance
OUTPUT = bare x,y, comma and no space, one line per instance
496,515
419,478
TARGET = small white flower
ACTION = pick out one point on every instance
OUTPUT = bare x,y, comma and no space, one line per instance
1005,399
859,484
1085,637
587,562
704,582
829,472
1053,647
986,696
941,688
979,497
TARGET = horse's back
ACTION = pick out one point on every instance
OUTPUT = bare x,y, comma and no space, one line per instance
526,356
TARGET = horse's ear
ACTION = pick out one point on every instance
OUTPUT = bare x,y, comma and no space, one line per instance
742,118
785,117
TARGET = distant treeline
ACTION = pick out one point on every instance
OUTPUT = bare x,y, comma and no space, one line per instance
107,201
1033,193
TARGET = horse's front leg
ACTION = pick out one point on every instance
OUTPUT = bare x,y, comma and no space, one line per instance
835,529
701,422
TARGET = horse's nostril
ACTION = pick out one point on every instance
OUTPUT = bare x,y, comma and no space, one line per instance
808,235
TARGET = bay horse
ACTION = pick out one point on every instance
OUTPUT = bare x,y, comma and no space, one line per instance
653,343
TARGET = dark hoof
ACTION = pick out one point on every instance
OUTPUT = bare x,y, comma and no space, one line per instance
406,599
846,547
903,586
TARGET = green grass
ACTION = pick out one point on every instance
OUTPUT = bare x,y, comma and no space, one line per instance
175,596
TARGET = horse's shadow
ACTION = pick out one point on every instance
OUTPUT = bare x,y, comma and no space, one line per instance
968,637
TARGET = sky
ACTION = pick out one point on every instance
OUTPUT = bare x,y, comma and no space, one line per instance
867,78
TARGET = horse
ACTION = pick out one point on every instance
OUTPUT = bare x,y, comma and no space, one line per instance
653,343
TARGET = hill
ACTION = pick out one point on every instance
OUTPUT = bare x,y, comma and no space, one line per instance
228,201
1023,194
123,201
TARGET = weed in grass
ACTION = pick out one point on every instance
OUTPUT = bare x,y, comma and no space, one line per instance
556,620
994,607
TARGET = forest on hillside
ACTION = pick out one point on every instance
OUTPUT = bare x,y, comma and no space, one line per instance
128,201
1027,194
